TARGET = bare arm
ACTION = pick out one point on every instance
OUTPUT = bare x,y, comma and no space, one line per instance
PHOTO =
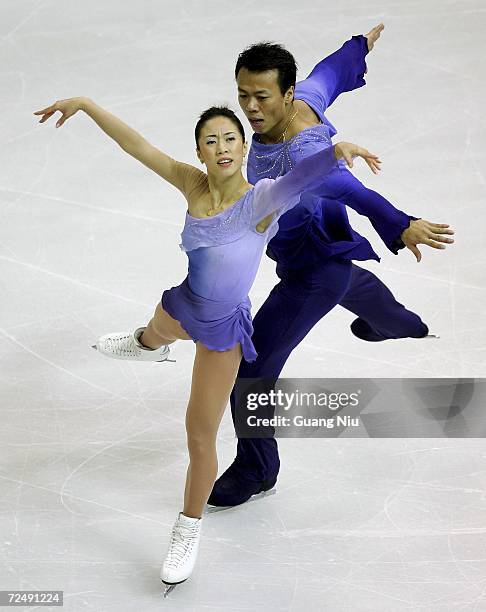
181,175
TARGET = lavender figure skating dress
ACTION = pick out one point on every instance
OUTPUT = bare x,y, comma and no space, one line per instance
224,252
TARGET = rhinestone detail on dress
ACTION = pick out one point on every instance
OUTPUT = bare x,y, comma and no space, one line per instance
211,231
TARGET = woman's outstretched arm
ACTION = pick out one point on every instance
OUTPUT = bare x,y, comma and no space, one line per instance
177,173
285,191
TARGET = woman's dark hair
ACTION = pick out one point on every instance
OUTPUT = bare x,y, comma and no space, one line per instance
217,111
269,56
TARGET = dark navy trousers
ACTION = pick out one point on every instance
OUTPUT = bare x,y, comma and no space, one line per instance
301,299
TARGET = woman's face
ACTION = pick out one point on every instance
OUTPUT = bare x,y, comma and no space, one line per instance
221,147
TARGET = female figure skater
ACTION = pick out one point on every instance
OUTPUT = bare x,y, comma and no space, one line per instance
228,224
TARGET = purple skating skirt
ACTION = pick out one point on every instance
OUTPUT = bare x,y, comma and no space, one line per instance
218,325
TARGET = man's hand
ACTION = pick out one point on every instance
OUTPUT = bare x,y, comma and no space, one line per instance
425,232
373,35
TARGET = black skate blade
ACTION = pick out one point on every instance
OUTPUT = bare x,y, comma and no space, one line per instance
212,509
94,346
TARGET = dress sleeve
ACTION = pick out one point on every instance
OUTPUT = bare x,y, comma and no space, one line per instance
284,192
341,71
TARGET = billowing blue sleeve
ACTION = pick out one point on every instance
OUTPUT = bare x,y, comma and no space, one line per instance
341,71
284,192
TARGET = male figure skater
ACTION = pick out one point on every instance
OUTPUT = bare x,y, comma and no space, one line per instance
315,243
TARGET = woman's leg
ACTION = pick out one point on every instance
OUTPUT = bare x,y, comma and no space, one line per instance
213,377
162,329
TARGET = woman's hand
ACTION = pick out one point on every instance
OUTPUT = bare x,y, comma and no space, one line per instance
348,150
67,107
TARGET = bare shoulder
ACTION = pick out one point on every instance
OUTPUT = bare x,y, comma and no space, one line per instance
183,176
197,192
191,179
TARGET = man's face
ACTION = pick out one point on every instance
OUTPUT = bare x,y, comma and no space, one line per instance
261,100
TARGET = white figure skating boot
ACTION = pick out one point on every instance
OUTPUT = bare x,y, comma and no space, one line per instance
126,345
182,553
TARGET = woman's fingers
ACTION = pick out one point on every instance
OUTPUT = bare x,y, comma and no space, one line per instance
49,109
348,151
373,162
44,110
46,117
365,153
371,159
372,166
348,158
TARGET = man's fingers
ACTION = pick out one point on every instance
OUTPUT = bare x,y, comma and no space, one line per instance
440,226
373,35
439,238
434,245
416,252
428,239
441,229
376,30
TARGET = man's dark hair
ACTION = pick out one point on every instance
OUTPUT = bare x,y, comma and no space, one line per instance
269,56
217,111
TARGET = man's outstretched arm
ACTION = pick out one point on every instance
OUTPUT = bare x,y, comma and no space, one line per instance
341,71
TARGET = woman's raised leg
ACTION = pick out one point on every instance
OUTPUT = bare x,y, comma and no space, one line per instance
148,343
162,329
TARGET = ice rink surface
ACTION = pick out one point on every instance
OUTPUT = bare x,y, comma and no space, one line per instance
93,453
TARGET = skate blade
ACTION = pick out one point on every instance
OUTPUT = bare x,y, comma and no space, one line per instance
168,589
432,336
257,496
94,346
